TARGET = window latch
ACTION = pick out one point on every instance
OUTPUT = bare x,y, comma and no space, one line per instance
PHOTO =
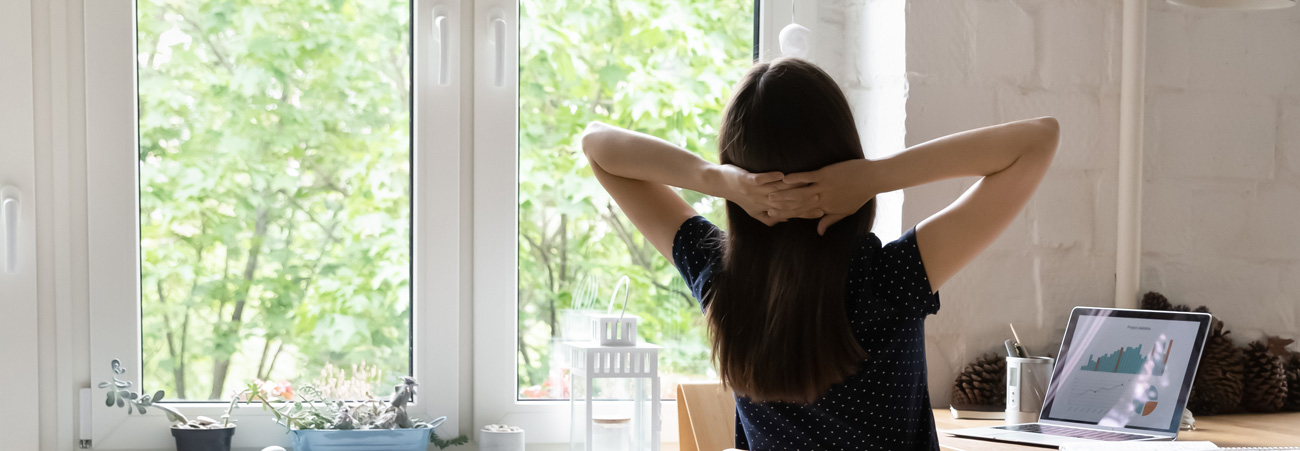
9,210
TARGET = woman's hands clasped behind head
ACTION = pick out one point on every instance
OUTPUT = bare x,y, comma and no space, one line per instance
830,193
752,191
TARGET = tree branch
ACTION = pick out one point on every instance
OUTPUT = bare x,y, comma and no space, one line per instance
222,365
178,371
198,29
638,254
634,250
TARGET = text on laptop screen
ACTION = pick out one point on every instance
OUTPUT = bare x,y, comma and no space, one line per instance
1124,372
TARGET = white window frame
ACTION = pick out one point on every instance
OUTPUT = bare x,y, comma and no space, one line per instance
496,216
438,272
19,284
459,250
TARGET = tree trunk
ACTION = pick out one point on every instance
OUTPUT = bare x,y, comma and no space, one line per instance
274,357
185,337
176,354
261,362
564,263
222,365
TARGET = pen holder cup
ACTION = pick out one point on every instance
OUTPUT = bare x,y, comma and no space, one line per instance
1026,384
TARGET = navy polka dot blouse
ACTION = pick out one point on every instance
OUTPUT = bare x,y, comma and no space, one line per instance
886,405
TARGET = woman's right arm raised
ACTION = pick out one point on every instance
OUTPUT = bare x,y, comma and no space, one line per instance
1012,159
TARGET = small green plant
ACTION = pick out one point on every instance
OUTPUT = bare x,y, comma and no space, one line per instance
121,395
311,410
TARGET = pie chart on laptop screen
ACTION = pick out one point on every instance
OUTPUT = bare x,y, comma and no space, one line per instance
1146,404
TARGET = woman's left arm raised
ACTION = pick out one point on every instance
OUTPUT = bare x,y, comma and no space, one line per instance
638,169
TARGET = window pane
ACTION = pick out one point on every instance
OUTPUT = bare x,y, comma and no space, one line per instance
275,194
664,67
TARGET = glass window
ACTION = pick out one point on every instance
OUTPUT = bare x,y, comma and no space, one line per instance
663,67
274,193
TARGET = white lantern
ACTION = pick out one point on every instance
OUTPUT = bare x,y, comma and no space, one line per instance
614,390
614,397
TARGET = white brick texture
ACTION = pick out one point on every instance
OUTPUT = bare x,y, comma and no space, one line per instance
1243,52
979,63
1184,218
938,40
1223,165
1221,193
1209,134
1004,40
1079,43
1167,49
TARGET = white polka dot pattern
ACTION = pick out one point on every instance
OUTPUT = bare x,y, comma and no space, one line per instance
886,405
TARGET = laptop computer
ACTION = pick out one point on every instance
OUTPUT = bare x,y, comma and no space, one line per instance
1121,375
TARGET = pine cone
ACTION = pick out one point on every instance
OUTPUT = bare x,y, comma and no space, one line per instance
1154,301
982,383
1292,403
1265,389
1219,381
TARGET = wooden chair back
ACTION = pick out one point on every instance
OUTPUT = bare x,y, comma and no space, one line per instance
706,416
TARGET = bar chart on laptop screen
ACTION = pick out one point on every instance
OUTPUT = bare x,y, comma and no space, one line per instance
1130,360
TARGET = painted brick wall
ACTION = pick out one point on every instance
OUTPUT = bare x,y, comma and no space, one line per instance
1221,214
983,62
1221,188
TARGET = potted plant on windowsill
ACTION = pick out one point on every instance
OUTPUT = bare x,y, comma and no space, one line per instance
198,434
318,424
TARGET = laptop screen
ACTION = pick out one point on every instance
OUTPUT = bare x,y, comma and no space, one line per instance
1126,368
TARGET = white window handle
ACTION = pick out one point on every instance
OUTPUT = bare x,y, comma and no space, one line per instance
440,26
9,210
499,34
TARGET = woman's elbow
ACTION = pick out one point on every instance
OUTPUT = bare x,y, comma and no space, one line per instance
1051,129
592,136
1047,134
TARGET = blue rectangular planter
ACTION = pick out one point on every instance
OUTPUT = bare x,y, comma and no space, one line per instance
361,440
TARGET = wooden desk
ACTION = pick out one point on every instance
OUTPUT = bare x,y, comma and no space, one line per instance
1277,429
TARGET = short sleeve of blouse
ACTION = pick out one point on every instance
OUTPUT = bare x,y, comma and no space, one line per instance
697,253
899,277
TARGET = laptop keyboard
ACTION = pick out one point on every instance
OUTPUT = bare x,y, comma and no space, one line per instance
1087,434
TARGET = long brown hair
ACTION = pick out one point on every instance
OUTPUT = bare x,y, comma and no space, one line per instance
776,310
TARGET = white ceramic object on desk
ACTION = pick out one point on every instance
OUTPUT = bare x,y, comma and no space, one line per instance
495,437
1026,384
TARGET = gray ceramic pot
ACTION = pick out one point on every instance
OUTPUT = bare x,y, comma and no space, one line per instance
203,439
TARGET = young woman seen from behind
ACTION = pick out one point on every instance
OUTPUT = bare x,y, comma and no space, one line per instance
816,325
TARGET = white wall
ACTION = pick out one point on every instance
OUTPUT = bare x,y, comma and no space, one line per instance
982,62
1221,190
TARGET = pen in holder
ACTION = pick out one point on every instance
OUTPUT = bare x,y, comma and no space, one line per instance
1027,379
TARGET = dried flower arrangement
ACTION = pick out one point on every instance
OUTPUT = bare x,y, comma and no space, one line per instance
336,383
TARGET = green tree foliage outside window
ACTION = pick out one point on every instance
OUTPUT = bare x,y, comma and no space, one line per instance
274,191
275,179
663,67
